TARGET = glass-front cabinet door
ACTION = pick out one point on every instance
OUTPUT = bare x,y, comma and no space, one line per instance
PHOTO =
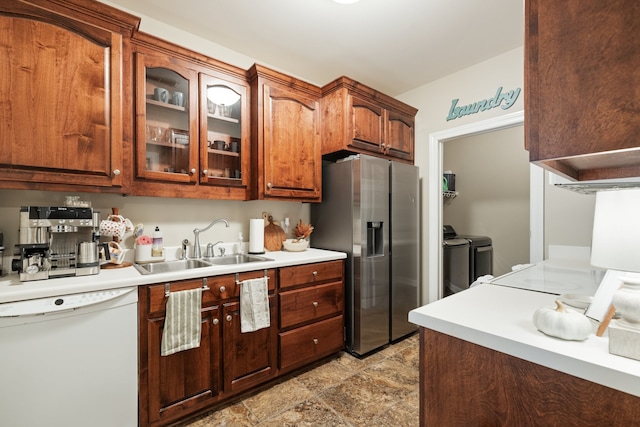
224,131
166,120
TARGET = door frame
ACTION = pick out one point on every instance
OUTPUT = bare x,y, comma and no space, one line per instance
536,204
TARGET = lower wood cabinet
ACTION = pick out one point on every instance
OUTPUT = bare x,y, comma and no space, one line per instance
185,380
249,358
465,384
311,313
309,343
306,326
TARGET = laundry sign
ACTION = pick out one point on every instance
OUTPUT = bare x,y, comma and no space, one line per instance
501,99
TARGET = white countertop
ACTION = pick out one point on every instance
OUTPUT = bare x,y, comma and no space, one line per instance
11,289
500,318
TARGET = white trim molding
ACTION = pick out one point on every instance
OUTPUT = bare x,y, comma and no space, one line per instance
435,195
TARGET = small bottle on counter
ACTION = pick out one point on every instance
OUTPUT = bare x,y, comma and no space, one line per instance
240,244
156,244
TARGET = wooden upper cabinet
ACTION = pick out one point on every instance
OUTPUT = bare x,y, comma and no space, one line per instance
166,131
61,91
358,119
285,137
185,144
582,105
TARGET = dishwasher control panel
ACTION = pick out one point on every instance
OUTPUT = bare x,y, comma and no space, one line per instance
55,304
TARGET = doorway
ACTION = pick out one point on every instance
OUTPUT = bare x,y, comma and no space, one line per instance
435,204
492,198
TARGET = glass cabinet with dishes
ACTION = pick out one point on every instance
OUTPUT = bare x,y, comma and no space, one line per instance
166,135
191,124
222,127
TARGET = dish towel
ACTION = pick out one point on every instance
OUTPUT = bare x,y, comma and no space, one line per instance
182,322
254,305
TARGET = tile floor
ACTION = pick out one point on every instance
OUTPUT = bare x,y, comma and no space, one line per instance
379,390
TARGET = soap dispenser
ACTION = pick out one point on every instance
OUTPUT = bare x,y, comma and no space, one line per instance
240,244
156,248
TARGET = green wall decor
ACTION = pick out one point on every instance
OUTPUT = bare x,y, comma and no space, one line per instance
503,100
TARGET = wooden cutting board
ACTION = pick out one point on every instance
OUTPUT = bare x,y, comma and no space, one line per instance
273,236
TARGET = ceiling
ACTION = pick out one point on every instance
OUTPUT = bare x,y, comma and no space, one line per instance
390,45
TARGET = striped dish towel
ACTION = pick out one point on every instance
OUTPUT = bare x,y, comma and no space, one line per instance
254,305
182,322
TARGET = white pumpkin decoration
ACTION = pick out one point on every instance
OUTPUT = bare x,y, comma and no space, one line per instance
562,323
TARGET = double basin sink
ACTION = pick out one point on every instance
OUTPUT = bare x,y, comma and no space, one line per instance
189,264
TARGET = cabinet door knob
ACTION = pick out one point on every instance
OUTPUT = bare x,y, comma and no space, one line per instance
315,304
116,172
215,321
269,185
229,318
204,172
193,171
222,289
315,341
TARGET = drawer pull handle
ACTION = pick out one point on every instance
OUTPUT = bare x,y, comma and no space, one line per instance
222,289
315,304
215,321
229,318
315,340
315,274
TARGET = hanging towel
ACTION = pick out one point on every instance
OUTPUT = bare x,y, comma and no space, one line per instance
182,322
254,305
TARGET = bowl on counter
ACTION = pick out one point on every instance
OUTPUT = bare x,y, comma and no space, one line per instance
295,245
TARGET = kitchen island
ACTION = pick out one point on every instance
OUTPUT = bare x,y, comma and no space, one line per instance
482,362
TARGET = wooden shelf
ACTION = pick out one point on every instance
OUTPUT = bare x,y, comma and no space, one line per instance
224,152
165,105
169,144
222,118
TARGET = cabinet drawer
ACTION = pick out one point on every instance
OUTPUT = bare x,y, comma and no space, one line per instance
220,288
158,299
226,287
310,343
307,304
310,273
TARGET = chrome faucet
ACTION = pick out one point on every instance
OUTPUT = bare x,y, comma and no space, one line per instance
210,247
197,252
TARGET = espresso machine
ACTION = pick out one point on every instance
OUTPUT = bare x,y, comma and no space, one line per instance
57,242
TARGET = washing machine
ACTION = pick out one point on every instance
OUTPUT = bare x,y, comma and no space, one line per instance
480,256
455,262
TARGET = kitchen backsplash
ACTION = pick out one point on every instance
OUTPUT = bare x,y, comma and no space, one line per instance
176,217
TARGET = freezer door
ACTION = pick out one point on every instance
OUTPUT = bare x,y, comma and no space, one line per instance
405,247
371,264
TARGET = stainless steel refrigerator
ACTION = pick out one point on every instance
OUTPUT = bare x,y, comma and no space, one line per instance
370,210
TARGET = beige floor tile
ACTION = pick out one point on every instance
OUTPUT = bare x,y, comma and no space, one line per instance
379,390
276,399
311,413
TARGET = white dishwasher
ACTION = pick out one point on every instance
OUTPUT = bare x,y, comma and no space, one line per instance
70,360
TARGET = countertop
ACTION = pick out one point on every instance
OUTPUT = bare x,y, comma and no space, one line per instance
11,289
500,318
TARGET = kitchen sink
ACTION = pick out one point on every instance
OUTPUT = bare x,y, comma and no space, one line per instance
235,259
169,266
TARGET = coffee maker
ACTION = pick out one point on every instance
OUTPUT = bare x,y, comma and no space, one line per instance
56,242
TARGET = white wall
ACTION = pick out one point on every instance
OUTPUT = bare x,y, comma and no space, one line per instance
568,217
